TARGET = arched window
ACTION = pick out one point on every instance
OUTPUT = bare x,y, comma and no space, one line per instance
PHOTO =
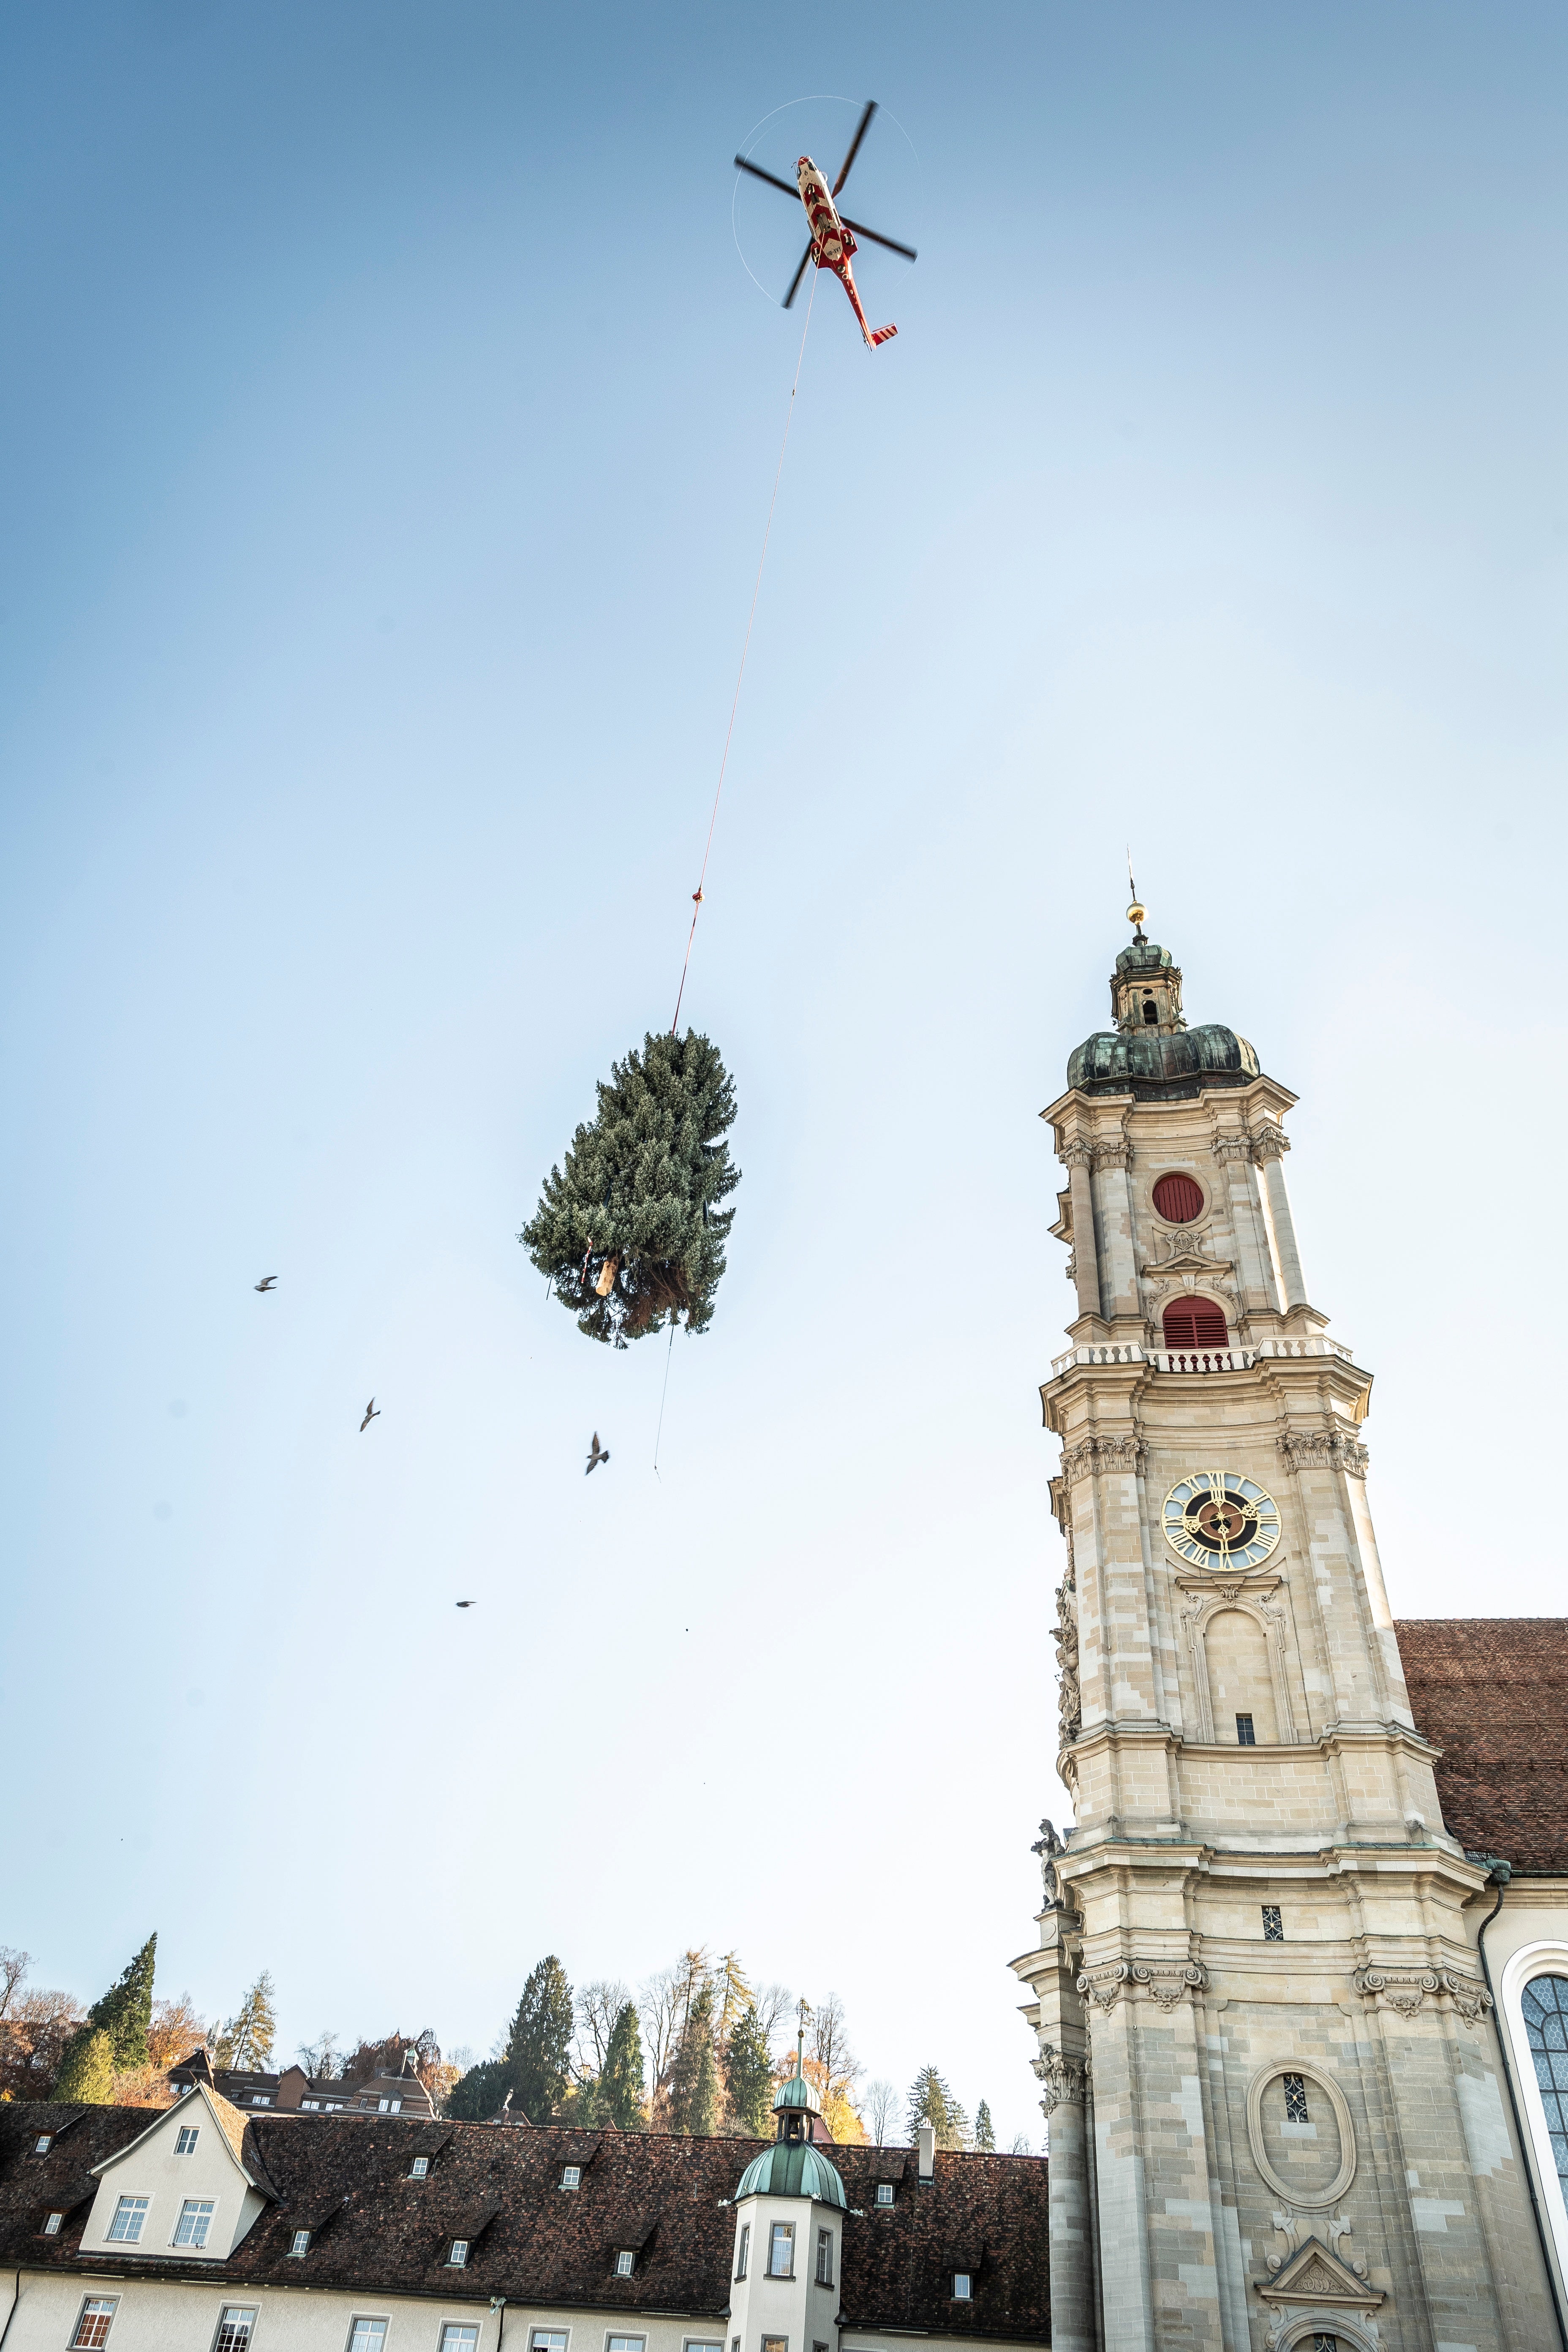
1194,1323
1178,1199
1545,2005
1151,1011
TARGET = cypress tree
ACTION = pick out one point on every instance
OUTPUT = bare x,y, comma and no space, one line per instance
86,2069
125,2010
985,2133
630,1230
538,2048
619,2089
694,2077
930,2097
749,2076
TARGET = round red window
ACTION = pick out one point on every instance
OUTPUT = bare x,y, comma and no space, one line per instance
1178,1199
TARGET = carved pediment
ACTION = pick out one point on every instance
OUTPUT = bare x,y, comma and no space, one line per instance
1185,1254
1315,2275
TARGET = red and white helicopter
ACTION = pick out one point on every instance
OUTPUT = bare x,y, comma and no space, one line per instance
832,236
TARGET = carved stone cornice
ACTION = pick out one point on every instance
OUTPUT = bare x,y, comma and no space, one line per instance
1323,1449
1404,1991
1165,1981
1214,1584
1112,1153
1063,2080
1226,1147
1095,1454
1270,1143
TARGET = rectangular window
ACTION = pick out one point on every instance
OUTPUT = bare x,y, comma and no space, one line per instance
776,2344
367,2336
92,2327
456,2337
1244,1735
384,2107
743,2249
125,2230
692,2345
185,2139
1273,1924
52,2224
260,2099
395,2105
43,2144
1296,2099
194,2221
625,2343
824,2258
314,2106
884,2192
570,2176
236,2327
300,2245
960,2286
626,2262
457,2260
781,2250
548,2340
419,2168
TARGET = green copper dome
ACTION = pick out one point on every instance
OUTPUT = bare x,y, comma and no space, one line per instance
792,2168
797,2092
1156,1067
1143,955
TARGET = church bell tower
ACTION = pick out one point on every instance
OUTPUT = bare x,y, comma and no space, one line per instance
1264,2041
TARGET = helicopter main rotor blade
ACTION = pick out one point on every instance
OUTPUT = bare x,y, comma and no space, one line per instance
861,128
891,243
758,173
794,281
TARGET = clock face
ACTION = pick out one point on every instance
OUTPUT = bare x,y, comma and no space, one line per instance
1216,1520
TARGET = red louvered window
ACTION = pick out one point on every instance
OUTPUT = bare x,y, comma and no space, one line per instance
1194,1323
1178,1199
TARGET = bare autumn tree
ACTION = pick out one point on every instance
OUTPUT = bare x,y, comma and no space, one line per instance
732,1997
775,2004
35,2025
598,2006
13,1967
663,2009
175,2031
829,2043
881,2108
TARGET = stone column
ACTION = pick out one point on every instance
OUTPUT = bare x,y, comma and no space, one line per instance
1076,1157
1268,1147
1119,1266
1063,2085
1254,1264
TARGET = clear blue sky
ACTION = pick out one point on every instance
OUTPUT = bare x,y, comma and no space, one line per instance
389,422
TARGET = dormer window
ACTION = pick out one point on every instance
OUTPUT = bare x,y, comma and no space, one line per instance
884,2192
52,2224
300,2245
194,2221
960,2286
570,2176
626,2262
458,2259
185,2139
419,2168
312,2106
125,2230
781,2250
43,2144
261,2099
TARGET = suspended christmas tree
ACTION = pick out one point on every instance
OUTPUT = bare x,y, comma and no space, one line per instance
630,1232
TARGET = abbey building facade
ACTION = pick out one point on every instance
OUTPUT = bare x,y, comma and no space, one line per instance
1300,2071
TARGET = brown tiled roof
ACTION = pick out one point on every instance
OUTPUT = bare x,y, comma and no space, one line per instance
348,2178
1493,1694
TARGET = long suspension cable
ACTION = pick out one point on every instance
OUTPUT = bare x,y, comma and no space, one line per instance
756,586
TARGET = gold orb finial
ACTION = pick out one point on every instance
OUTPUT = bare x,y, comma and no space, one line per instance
1135,914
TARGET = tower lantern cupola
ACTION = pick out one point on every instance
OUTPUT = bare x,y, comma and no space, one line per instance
793,2166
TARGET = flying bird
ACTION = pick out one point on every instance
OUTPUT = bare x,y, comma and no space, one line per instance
464,1605
270,1284
600,1454
370,1414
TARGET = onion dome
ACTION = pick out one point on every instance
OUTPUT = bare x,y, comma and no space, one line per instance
793,2166
1152,1054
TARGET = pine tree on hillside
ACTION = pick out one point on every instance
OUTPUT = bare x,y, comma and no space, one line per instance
619,2089
694,2077
630,1230
246,2041
125,2010
86,2069
538,2048
930,2098
477,2096
749,2076
984,2134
